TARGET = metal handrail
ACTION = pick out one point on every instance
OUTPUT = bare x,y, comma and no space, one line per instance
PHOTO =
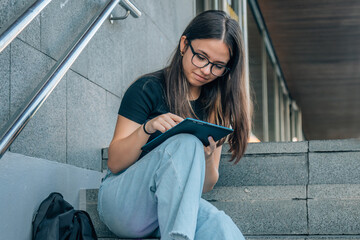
53,78
19,24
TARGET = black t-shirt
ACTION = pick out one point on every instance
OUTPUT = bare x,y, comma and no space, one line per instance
145,99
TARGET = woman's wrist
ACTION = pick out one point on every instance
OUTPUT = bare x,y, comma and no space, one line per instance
144,127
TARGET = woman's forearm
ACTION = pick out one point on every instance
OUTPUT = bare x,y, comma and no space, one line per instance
124,152
211,175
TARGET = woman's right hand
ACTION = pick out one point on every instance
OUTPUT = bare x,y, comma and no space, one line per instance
162,122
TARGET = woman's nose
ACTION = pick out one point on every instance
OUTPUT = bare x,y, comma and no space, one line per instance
206,70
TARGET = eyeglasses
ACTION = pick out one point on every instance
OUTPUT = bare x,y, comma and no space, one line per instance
201,61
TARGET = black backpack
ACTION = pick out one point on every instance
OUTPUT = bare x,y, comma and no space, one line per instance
56,219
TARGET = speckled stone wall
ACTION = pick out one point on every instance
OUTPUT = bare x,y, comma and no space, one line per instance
78,118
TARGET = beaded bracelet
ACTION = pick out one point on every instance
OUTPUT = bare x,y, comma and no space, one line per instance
145,129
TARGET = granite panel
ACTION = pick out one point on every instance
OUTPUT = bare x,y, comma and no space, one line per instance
315,237
334,209
10,11
334,145
86,115
118,54
28,69
273,148
4,87
31,34
275,237
256,193
61,23
262,217
45,134
334,168
334,216
261,210
285,169
171,17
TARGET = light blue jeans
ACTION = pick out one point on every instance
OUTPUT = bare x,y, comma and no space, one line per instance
160,195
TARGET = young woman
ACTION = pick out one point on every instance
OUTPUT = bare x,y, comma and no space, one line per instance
159,193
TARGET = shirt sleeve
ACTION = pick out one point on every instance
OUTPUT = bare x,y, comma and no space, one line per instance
139,99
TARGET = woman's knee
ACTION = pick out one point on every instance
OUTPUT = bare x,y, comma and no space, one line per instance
184,143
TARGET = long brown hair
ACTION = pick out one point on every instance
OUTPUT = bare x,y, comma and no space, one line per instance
225,99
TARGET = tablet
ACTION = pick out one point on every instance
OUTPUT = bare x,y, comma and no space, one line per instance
200,129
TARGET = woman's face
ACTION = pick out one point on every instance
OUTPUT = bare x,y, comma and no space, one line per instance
216,51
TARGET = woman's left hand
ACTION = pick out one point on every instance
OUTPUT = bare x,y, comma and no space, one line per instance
209,150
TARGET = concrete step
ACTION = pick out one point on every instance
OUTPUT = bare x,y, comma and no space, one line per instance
288,163
304,190
327,209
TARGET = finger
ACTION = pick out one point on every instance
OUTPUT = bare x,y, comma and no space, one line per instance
158,126
169,120
175,118
166,125
212,141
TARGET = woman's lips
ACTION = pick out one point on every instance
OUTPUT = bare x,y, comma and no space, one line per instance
200,78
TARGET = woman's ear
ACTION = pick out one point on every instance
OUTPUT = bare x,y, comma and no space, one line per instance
183,44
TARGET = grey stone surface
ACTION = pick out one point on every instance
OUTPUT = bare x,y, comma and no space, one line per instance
45,134
174,17
263,210
86,116
334,168
337,237
11,10
264,170
255,193
334,191
275,237
105,154
314,237
31,34
28,68
61,22
117,57
330,216
4,87
273,148
334,209
334,145
112,108
267,217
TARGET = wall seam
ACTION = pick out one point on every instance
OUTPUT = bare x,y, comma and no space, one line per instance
307,189
69,69
160,30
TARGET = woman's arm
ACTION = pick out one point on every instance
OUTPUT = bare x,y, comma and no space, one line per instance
212,160
129,137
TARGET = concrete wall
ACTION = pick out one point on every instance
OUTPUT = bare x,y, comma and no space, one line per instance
26,182
78,118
